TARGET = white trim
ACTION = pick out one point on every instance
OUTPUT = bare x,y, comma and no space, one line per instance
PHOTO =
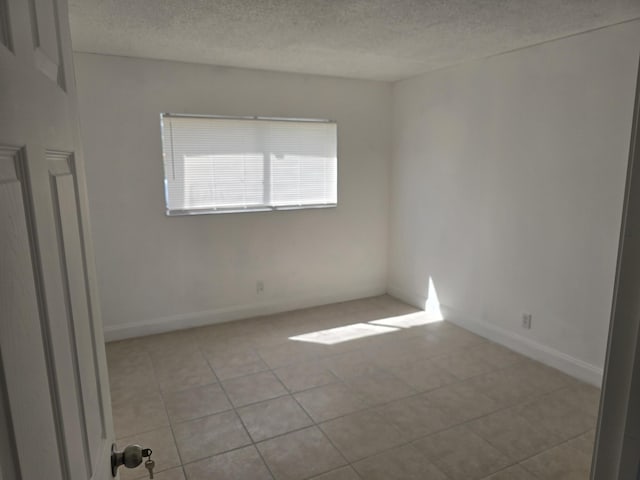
227,314
577,368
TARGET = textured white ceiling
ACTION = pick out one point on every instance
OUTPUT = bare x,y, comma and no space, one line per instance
371,39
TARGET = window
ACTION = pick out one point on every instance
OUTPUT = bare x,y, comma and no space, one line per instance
222,165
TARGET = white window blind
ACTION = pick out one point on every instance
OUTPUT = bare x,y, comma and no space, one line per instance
217,165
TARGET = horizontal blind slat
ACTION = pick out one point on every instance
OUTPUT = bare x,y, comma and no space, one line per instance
214,163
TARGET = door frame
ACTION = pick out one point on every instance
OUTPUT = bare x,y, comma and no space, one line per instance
617,444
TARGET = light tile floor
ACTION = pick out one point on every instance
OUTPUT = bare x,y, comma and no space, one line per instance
242,401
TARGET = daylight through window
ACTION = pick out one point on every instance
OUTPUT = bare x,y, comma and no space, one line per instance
223,165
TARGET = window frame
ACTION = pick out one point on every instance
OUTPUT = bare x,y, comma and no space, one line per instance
267,166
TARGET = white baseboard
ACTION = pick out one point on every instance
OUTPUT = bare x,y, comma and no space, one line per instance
549,356
234,312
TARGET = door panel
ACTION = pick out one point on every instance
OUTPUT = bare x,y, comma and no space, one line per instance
21,340
46,39
8,462
5,33
64,341
66,217
55,411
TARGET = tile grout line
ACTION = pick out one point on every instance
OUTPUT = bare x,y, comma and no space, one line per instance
323,433
369,408
553,445
318,358
253,443
460,381
173,433
373,409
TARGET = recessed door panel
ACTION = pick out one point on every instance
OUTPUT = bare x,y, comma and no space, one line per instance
46,39
31,403
78,312
5,30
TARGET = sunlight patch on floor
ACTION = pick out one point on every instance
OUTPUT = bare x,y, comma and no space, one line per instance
431,314
410,320
343,334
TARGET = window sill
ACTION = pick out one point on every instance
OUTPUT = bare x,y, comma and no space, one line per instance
218,211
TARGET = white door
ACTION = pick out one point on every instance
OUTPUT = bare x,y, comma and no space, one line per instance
55,413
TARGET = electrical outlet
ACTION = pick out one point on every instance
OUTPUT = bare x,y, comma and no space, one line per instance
259,286
526,321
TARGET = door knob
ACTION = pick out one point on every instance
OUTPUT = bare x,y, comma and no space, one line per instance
130,457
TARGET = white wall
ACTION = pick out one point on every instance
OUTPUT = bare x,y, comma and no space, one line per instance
507,184
158,273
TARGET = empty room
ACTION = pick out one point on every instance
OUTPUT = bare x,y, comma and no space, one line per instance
317,239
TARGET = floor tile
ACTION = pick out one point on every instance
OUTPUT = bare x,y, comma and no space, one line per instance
423,375
456,337
403,463
173,474
165,453
558,415
559,463
583,397
515,472
253,388
344,473
404,321
229,364
290,353
232,371
352,364
361,434
462,400
390,355
507,387
545,379
379,388
437,328
416,417
330,401
180,372
305,376
424,346
584,443
273,417
229,356
514,436
122,350
299,455
123,378
469,407
461,454
495,355
462,364
244,463
230,336
177,343
210,435
139,413
196,402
